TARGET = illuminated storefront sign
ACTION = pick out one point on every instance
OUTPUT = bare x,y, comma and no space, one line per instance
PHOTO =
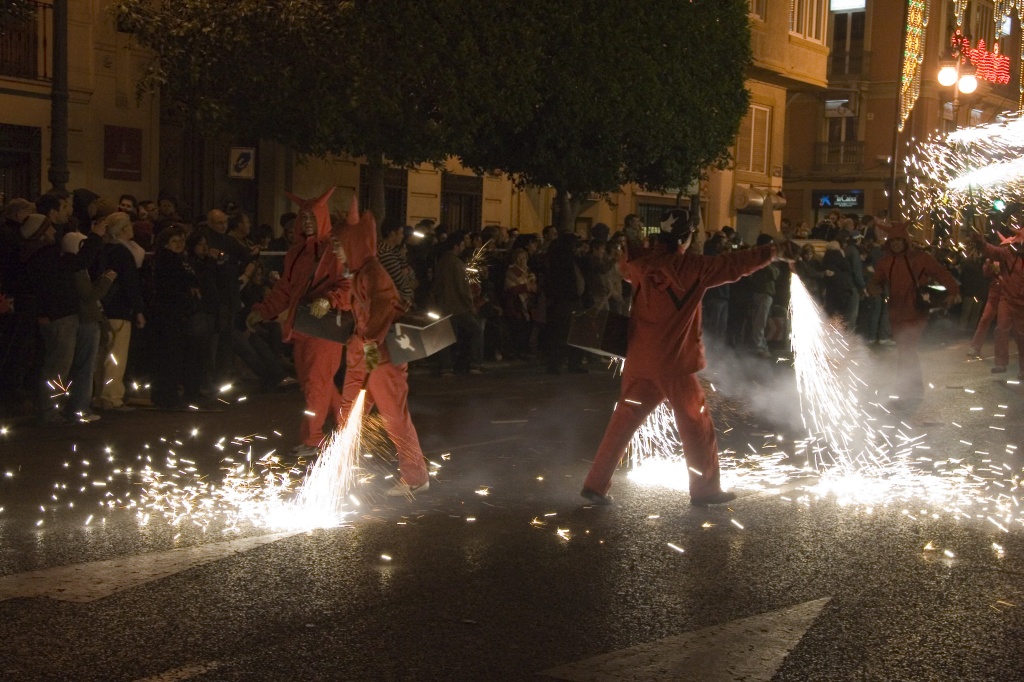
850,198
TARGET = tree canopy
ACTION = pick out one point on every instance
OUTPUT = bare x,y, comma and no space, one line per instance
581,95
649,92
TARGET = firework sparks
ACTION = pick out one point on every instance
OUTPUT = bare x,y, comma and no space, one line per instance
257,491
852,451
966,169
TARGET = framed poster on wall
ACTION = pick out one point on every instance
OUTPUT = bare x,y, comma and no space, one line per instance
242,163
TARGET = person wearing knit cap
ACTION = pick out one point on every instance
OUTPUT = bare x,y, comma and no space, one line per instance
376,304
56,308
313,276
665,352
905,271
1010,316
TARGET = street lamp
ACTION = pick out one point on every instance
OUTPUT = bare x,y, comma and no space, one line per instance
961,76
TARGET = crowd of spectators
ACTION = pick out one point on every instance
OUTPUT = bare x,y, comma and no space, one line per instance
103,300
101,297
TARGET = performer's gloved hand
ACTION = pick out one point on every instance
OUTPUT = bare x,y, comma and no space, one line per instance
319,307
372,355
253,319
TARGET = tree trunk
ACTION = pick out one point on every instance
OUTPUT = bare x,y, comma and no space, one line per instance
375,180
564,211
700,235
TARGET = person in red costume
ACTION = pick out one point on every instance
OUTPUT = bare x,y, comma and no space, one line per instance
905,270
1010,318
314,275
665,352
375,304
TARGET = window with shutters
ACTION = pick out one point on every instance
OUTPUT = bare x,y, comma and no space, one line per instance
754,140
808,19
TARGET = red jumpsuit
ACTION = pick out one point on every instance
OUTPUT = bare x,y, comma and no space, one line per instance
989,314
1010,318
311,271
905,272
664,354
375,305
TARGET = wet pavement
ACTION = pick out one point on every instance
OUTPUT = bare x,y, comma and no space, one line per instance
500,571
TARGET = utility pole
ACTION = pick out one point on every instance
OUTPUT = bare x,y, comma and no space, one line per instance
58,173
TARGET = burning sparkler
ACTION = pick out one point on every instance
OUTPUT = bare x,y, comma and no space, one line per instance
850,452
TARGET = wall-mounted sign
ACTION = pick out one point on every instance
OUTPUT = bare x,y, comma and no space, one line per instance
242,163
991,66
122,153
843,199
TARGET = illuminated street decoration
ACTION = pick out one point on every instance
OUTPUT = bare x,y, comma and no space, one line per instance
1003,8
913,56
991,66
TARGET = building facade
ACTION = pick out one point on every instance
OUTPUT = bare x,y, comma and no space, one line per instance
113,144
841,142
119,143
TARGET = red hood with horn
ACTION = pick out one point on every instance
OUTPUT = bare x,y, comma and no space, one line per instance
315,208
358,236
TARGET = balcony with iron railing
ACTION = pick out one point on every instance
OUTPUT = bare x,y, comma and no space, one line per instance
846,66
25,43
838,156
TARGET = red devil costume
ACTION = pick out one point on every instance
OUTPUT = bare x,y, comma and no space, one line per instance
663,355
906,270
311,271
1010,317
375,305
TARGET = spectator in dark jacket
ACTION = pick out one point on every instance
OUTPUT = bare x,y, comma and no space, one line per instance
564,285
56,309
175,293
762,292
90,318
839,287
202,325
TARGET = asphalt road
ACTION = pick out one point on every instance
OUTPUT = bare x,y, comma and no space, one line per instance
501,572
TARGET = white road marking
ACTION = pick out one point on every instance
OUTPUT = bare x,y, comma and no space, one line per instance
99,579
751,649
183,673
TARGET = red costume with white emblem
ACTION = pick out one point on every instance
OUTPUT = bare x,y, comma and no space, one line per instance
311,271
375,305
664,353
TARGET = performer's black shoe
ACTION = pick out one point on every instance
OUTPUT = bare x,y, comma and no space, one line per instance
721,497
597,498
